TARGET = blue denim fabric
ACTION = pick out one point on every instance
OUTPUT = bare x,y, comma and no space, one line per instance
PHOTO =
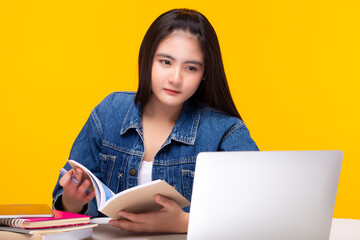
111,144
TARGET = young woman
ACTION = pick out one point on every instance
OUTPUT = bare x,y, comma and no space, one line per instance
182,107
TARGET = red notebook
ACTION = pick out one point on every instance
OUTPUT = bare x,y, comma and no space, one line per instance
60,219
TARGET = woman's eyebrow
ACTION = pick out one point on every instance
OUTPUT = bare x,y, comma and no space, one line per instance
195,63
165,56
170,57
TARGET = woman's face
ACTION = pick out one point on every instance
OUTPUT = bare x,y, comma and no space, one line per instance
177,69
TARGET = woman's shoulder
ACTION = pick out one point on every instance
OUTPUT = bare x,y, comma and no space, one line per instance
231,130
115,102
211,114
116,98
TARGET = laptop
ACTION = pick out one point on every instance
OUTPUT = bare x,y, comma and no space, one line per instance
278,195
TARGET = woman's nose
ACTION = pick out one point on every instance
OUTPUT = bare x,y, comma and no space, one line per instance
175,77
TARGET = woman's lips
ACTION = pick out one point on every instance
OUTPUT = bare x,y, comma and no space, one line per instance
171,92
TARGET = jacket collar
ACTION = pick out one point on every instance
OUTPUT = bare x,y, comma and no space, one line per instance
185,128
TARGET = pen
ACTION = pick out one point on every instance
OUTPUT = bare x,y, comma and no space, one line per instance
63,171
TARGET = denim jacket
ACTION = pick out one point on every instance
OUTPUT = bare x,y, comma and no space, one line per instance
111,144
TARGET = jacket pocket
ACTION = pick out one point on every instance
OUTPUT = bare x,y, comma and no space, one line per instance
107,167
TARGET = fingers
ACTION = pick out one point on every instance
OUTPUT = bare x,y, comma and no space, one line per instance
168,206
82,188
169,218
82,194
65,179
89,197
162,221
78,174
76,192
128,225
165,202
131,216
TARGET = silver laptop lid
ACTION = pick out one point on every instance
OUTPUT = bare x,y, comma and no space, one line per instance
264,195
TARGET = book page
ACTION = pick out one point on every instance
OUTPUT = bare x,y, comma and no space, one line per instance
141,199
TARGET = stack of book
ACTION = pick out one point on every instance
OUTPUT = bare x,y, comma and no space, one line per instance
23,222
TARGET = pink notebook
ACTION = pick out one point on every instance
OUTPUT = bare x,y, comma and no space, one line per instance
61,219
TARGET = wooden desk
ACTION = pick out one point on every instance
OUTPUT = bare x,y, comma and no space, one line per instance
342,229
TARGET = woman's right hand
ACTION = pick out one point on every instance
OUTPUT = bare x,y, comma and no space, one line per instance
75,196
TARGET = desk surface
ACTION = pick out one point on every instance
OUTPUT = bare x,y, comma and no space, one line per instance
346,229
342,229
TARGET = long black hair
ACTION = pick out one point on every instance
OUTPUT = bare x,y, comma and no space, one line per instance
214,90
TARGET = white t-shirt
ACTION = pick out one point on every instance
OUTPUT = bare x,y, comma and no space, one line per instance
145,172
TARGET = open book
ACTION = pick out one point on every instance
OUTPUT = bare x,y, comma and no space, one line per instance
139,199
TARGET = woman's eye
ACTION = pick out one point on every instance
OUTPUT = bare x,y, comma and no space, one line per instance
166,62
191,68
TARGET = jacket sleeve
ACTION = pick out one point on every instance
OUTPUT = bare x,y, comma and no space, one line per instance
85,150
237,138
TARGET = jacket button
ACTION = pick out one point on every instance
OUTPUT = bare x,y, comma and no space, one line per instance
132,172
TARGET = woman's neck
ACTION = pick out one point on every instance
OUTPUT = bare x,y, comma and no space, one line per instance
156,110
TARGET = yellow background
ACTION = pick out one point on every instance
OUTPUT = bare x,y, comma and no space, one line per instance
292,66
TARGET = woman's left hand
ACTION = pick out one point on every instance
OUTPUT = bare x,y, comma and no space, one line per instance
171,218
